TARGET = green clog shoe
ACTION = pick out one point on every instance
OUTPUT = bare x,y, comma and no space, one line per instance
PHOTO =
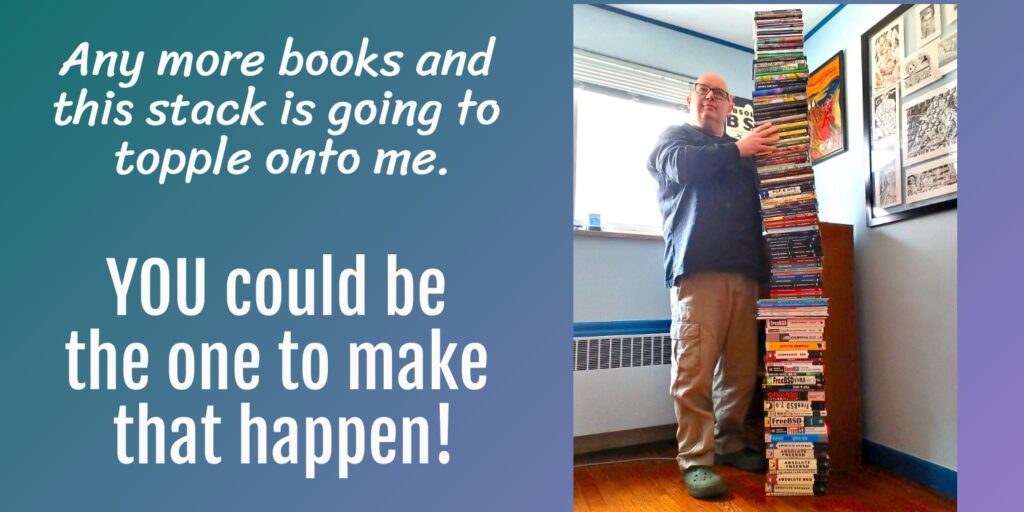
703,483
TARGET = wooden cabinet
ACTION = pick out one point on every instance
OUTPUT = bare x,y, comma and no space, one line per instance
842,371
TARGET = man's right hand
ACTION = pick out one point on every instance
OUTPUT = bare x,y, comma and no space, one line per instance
758,141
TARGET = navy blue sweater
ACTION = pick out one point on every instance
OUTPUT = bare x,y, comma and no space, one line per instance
709,205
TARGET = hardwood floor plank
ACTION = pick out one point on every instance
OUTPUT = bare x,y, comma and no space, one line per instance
591,495
649,486
579,500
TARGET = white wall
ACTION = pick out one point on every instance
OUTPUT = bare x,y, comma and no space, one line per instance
618,279
906,280
625,38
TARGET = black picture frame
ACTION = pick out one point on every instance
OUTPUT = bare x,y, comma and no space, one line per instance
842,105
867,92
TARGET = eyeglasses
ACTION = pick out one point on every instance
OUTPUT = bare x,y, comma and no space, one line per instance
703,90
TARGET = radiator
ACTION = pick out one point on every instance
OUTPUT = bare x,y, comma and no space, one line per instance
621,383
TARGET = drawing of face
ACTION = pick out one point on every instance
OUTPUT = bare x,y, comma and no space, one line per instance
927,14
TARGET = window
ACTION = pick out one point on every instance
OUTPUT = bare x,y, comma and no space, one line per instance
614,137
619,110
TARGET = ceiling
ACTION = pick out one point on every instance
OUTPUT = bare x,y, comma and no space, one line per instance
733,23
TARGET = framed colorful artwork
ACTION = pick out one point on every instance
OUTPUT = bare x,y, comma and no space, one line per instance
826,109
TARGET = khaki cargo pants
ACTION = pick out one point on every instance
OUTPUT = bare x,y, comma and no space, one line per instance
714,363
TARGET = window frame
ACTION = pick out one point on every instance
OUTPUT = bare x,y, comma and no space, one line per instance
653,97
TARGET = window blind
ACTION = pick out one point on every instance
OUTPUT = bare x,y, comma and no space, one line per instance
591,70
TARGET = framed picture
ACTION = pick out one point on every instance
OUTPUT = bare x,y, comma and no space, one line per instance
886,54
930,125
949,11
920,68
888,185
928,25
826,109
910,106
933,179
885,114
946,50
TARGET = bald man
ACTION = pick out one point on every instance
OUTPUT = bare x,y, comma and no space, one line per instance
714,259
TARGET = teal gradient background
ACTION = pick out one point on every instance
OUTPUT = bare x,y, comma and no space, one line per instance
497,224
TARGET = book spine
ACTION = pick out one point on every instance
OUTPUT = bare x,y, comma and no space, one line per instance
796,292
798,406
778,90
805,365
797,430
795,437
817,489
797,345
822,412
794,421
792,322
810,396
815,464
792,354
786,191
810,336
808,452
798,477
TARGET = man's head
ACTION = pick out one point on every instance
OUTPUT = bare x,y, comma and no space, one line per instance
710,103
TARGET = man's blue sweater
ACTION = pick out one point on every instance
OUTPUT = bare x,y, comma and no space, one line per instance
708,197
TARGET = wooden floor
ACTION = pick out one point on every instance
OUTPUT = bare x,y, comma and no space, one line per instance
656,485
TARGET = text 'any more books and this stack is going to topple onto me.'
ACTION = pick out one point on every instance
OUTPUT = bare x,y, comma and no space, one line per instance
796,433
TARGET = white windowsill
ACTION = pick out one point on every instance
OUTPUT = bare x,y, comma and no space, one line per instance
617,234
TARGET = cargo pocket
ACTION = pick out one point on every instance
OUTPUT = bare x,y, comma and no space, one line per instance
686,347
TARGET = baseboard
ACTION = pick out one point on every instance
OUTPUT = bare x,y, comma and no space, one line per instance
622,438
921,471
620,327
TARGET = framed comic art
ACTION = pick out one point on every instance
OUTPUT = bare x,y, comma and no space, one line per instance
826,109
910,113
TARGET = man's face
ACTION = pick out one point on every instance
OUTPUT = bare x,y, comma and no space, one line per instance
709,110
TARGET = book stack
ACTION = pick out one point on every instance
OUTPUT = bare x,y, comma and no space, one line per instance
796,433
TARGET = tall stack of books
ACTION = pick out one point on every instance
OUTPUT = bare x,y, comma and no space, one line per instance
796,433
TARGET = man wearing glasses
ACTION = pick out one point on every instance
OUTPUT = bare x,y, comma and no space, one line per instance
714,260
